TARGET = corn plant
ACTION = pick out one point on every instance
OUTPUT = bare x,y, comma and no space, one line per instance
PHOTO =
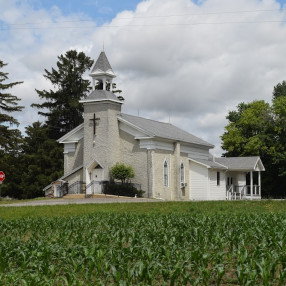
130,249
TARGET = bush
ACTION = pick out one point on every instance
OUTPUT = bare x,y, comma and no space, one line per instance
126,190
122,172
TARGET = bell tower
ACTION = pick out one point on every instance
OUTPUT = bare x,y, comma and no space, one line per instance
101,131
102,72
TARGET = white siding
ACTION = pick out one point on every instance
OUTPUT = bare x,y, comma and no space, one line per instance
241,179
217,192
69,147
195,152
198,182
238,178
151,144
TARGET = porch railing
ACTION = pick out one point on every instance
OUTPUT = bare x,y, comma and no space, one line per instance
234,193
243,191
255,190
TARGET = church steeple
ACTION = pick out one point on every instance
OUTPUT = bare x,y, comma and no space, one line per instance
102,71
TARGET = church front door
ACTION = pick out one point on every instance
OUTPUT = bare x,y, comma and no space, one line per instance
97,175
94,177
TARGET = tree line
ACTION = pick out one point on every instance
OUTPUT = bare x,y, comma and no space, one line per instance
34,160
258,128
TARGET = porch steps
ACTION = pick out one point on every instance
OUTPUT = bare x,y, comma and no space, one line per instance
74,196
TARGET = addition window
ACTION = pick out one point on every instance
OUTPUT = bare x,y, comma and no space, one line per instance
182,171
217,178
166,174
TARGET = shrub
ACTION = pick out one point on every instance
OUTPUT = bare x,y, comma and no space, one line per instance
127,190
122,172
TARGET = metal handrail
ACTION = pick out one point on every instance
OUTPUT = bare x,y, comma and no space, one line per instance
75,188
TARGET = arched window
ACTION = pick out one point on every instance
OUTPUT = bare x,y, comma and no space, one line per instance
166,174
182,172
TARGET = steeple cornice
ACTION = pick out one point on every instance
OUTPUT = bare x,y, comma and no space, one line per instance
102,71
102,67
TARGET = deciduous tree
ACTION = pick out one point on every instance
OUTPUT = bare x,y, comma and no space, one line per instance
258,128
279,90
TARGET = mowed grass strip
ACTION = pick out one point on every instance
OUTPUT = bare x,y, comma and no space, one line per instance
207,208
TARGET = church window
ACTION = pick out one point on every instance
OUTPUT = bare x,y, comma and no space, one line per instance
182,171
166,174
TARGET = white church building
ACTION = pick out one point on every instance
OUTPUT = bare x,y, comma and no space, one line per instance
169,163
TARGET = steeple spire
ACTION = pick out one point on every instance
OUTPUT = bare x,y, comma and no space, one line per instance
102,71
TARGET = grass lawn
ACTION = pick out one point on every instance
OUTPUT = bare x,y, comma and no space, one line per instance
205,208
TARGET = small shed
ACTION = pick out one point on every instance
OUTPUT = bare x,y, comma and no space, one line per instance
57,189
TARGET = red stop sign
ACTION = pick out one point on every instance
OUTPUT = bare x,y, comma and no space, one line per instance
2,176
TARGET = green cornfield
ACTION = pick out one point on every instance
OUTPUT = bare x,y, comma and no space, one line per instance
143,249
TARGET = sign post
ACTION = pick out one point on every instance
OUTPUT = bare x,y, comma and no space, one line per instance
2,178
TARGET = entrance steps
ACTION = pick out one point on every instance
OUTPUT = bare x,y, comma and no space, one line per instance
74,196
84,196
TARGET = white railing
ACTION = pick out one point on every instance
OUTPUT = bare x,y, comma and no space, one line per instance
229,192
255,191
233,194
244,191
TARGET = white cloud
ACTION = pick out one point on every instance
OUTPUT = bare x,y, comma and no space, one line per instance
193,64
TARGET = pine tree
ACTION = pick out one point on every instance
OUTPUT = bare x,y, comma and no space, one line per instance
43,158
61,107
9,138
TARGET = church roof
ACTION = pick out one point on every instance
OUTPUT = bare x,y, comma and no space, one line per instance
100,95
241,163
209,163
162,130
102,63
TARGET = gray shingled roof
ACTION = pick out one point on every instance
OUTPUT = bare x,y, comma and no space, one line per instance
163,130
101,95
102,63
64,176
210,164
239,163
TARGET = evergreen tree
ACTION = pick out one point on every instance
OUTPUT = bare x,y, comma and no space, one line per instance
61,107
43,158
99,86
14,166
9,138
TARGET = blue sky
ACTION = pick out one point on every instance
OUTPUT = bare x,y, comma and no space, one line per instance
191,68
99,10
